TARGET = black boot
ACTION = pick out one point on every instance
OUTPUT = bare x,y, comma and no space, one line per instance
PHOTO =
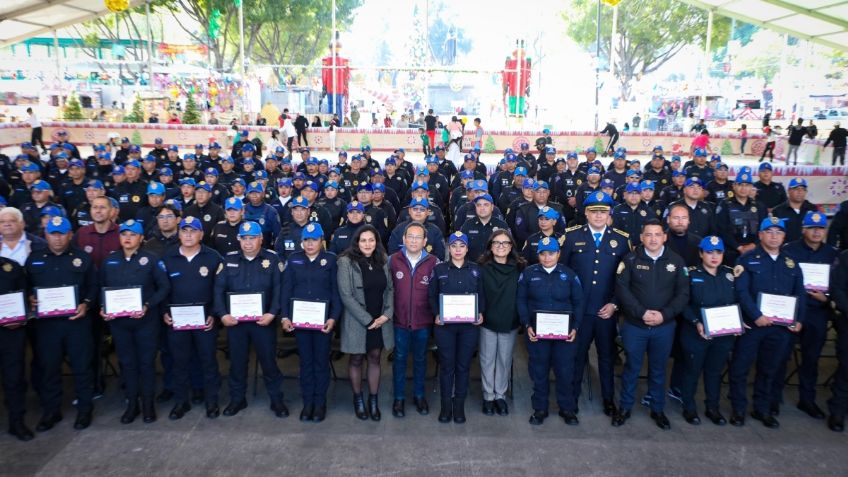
459,411
132,412
148,410
373,407
446,412
359,407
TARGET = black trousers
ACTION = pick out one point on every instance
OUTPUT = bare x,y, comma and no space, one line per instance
264,339
135,344
12,342
58,337
36,137
301,138
205,343
838,403
457,344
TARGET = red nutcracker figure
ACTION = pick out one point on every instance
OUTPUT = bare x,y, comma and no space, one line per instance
336,91
516,80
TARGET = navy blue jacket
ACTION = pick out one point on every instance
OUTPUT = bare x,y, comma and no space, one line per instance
802,253
559,290
191,282
707,290
141,270
263,274
72,267
450,280
758,273
314,280
595,266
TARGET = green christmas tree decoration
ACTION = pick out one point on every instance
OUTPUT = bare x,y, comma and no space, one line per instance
599,145
817,158
73,109
346,146
191,116
365,141
490,146
726,149
137,114
136,138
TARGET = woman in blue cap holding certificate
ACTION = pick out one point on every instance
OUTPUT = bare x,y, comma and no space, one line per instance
550,307
711,291
456,290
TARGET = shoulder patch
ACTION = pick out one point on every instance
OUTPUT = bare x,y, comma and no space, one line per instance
621,232
561,240
737,270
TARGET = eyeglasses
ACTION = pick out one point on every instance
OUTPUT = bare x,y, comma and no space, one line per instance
166,216
414,237
504,243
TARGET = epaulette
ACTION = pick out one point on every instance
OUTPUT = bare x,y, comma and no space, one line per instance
571,229
693,268
561,240
625,234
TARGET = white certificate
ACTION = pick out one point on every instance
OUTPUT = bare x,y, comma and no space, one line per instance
553,325
779,308
12,308
722,320
816,276
458,308
122,302
189,317
246,306
309,315
57,301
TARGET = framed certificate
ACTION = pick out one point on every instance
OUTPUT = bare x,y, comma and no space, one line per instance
188,317
722,320
56,301
458,308
12,308
246,306
816,276
309,315
780,308
553,325
121,302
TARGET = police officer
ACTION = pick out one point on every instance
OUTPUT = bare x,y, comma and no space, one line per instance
418,212
333,204
251,271
67,334
632,213
810,249
838,403
765,269
343,235
289,239
209,212
794,210
165,234
711,284
135,333
720,188
701,214
548,218
256,210
552,287
594,251
225,233
737,218
12,344
653,288
131,193
526,223
456,342
480,228
770,193
191,268
311,275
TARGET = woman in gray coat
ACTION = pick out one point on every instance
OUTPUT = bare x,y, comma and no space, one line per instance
367,294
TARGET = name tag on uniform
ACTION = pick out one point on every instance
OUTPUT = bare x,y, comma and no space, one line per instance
234,265
579,244
289,245
642,267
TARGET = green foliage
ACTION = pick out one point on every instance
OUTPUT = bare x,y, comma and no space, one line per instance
137,114
346,146
191,115
136,138
214,23
726,148
599,145
73,109
489,146
365,141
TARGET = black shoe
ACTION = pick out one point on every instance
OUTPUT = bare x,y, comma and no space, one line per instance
131,413
421,405
279,408
359,407
716,417
609,407
197,396
47,421
836,423
811,409
620,417
767,419
501,408
446,412
307,413
374,407
148,411
213,411
737,419
661,420
569,417
774,409
179,411
489,408
538,417
320,414
459,411
233,408
692,417
165,396
18,429
398,408
83,420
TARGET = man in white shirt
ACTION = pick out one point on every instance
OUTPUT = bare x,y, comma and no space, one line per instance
16,245
35,124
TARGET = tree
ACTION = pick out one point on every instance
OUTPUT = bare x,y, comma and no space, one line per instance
191,115
650,33
137,114
417,56
73,109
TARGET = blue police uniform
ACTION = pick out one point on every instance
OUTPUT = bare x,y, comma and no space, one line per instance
838,402
557,290
12,343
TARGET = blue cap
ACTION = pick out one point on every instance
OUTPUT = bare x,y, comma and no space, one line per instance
114,202
312,161
312,231
211,171
312,185
658,148
721,165
27,145
158,140
199,146
700,152
772,221
420,185
133,226
203,185
323,162
249,228
519,171
379,187
248,147
485,196
240,181
618,155
693,181
173,148
765,166
546,131
550,150
248,161
480,185
711,244
95,184
189,157
391,161
541,185
677,174
245,132
260,174
814,219
548,212
299,176
440,148
300,201
166,171
355,205
422,171
76,163
133,163
420,202
134,149
511,158
155,188
591,149
51,211
607,184
355,157
29,167
284,182
191,222
675,157
41,185
172,203
97,147
366,149
647,185
457,237
255,187
465,174
150,158
744,178
334,170
214,145
633,187
547,244
528,183
715,158
508,151
633,172
188,181
342,153
331,184
593,170
62,156
598,200
365,187
58,225
571,155
431,160
227,159
468,157
524,146
377,172
797,182
233,203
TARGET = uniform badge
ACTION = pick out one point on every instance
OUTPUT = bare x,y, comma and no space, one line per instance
774,220
599,196
77,262
729,277
737,270
579,181
310,228
643,213
714,240
7,267
670,267
613,243
816,218
563,276
753,208
704,211
429,249
399,275
730,194
262,221
246,227
546,241
280,266
368,219
790,263
323,261
620,269
88,249
266,263
355,183
207,218
204,271
136,199
142,261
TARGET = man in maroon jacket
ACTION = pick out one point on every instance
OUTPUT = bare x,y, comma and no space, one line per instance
411,269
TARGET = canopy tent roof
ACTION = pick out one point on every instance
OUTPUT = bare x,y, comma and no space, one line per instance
22,19
819,21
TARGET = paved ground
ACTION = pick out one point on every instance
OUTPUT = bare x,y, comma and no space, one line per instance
257,443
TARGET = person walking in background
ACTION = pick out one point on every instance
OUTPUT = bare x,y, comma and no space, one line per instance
837,136
300,125
35,135
770,141
611,131
743,139
430,121
796,133
478,134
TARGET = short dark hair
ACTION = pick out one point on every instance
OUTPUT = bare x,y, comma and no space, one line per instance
412,224
651,222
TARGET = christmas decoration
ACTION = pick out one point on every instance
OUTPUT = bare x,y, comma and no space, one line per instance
191,115
137,114
136,138
337,91
489,147
726,148
418,56
516,81
365,141
73,109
